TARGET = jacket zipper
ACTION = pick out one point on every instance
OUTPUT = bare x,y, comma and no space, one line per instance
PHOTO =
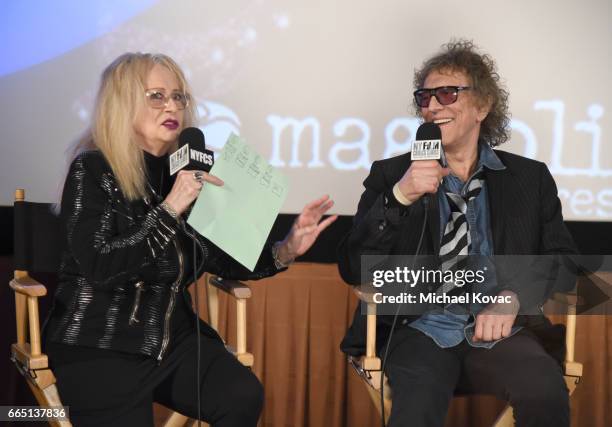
174,291
139,289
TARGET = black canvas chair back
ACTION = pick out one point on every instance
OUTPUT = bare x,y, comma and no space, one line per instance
38,237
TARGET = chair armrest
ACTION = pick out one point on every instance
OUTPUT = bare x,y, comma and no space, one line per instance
573,369
234,288
370,362
366,292
28,286
571,301
364,295
27,291
22,353
241,293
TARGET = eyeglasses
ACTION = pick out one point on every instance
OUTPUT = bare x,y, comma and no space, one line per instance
445,95
157,98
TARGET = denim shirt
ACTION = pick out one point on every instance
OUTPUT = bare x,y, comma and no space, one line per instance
448,327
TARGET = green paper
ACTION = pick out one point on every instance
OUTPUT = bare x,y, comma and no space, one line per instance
238,216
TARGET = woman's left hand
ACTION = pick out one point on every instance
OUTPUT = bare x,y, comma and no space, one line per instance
306,229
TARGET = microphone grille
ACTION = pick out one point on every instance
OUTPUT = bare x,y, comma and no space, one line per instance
428,131
192,136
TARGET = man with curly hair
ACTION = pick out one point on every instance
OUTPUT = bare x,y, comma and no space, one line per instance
481,203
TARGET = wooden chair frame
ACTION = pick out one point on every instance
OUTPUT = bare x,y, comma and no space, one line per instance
369,366
34,365
241,293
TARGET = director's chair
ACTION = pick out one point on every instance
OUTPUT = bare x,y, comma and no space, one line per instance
369,366
38,237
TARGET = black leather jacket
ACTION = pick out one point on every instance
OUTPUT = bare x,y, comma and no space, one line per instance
124,266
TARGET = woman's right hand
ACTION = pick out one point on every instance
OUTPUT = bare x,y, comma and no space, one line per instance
187,187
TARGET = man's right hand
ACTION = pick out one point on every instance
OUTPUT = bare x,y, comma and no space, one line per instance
423,176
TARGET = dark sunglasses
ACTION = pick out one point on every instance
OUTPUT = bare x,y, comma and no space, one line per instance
445,95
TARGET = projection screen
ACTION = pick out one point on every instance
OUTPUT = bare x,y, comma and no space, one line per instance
322,88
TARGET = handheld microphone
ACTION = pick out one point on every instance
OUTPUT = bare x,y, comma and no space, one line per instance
427,146
192,153
428,142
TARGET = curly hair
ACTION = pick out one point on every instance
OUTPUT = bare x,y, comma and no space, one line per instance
463,56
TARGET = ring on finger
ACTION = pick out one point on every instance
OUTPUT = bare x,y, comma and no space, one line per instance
198,175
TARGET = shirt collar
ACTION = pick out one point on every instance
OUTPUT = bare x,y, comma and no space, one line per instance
488,158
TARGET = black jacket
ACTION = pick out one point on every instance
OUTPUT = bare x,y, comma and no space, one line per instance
525,217
123,268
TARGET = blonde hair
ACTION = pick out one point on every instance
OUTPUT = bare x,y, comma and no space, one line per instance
119,100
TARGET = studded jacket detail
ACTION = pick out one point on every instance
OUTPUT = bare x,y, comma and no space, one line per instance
123,267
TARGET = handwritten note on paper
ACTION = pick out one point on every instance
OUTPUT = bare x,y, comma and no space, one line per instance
238,216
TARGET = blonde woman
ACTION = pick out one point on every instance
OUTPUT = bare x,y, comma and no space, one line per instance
121,333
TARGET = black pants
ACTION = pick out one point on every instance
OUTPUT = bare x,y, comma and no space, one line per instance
423,378
115,389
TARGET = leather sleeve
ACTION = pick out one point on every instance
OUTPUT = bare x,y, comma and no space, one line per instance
89,210
221,264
